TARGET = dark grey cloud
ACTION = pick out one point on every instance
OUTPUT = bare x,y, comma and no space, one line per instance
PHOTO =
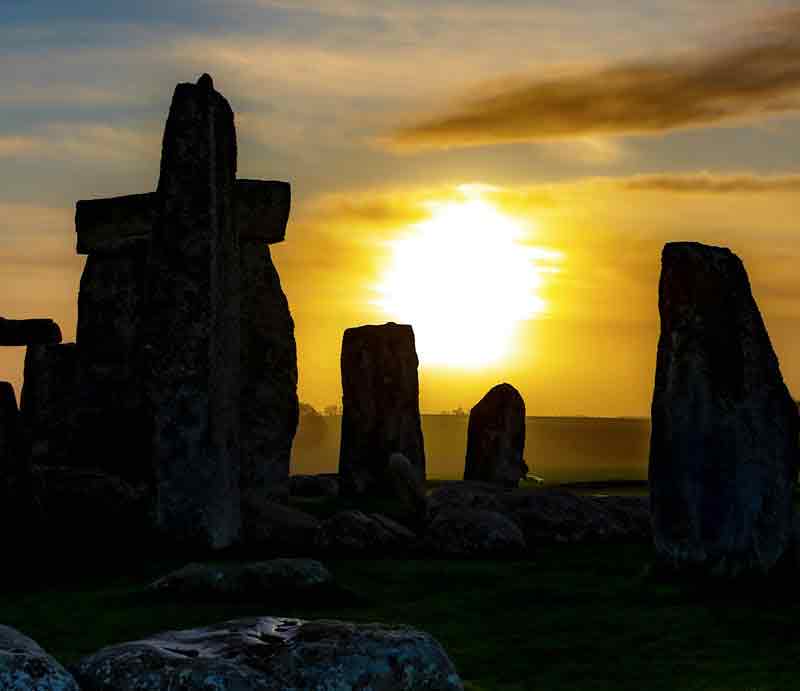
758,76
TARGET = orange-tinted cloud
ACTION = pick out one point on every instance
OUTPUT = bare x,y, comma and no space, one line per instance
756,78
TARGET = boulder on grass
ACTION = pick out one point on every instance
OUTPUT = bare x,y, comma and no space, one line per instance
314,485
270,654
354,533
283,530
264,580
25,666
473,533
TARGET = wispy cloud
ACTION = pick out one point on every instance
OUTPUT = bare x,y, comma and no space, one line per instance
714,183
757,77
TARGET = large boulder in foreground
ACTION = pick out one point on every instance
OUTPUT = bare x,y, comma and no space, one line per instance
496,438
270,654
380,400
25,666
724,446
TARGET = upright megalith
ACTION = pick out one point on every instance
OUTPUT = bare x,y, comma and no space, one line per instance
268,400
496,438
48,403
191,324
380,406
724,446
23,332
112,432
9,429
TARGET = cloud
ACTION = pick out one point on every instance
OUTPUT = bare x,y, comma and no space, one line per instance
755,78
710,183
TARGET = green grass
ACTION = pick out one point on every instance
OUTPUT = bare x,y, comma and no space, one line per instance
575,618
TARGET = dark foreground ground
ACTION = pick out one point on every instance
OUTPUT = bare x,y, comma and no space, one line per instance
577,617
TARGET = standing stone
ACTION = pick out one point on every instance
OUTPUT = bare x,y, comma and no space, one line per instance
380,406
48,403
724,446
191,323
111,428
269,404
9,429
496,438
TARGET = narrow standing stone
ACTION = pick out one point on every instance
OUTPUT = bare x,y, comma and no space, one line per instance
724,447
191,323
380,406
496,438
269,405
111,429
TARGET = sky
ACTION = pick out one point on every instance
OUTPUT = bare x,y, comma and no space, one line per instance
502,175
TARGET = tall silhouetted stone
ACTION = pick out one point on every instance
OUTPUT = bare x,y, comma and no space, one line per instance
9,427
111,428
724,447
269,405
191,322
496,438
22,332
380,406
48,403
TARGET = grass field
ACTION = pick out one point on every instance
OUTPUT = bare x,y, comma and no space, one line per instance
559,449
575,618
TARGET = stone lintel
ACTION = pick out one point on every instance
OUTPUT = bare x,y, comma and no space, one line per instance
112,224
24,332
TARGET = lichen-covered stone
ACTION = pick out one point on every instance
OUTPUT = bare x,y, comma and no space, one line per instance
473,533
263,580
191,323
269,403
112,430
354,533
49,402
724,449
23,332
270,654
25,666
380,406
496,438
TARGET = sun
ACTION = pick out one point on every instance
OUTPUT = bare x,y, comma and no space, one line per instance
464,280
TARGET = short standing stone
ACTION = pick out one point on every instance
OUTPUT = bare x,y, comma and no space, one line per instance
269,404
724,450
22,332
270,654
409,489
380,406
496,438
191,323
24,665
48,402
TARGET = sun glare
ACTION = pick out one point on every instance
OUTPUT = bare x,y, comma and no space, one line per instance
464,280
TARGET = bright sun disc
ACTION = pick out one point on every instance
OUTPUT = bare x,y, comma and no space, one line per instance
463,280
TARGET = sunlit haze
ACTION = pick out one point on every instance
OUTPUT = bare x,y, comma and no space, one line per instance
464,279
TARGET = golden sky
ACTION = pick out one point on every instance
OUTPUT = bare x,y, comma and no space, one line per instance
502,175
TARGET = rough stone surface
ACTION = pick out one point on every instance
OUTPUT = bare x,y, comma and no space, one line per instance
269,404
110,225
496,438
9,430
314,485
355,533
263,580
554,515
473,533
284,530
25,666
112,429
104,225
380,406
270,654
48,403
724,450
191,323
88,509
408,487
465,495
22,332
